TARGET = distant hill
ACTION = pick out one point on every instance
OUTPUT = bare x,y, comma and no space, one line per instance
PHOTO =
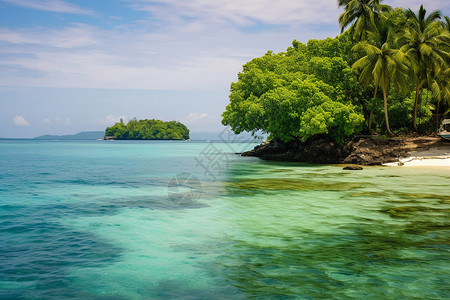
199,136
86,135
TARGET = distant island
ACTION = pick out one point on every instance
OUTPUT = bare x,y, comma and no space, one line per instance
86,135
197,136
147,130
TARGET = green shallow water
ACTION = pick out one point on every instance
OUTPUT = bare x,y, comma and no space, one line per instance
97,220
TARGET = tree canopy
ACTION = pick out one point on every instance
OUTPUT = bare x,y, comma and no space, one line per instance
329,87
148,130
297,94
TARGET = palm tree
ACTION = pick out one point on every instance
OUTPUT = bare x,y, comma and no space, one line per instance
446,23
441,90
422,42
381,63
360,14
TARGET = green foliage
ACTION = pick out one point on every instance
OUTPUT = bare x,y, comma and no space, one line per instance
381,63
334,87
423,42
148,130
401,110
296,94
360,15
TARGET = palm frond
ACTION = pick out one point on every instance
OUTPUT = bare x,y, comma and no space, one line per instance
343,2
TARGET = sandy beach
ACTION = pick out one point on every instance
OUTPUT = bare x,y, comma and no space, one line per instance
437,156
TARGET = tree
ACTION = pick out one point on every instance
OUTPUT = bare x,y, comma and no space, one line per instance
295,95
381,63
442,90
422,42
360,14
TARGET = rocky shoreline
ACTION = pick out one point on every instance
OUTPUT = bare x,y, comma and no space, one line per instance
361,150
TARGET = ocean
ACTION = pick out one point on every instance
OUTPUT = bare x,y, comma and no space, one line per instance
194,220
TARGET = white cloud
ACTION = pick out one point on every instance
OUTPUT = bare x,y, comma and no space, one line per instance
58,119
98,69
202,122
429,5
195,44
204,51
46,120
20,121
68,122
57,6
110,120
79,35
194,117
281,12
16,37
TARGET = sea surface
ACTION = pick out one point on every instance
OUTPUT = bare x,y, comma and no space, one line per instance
193,220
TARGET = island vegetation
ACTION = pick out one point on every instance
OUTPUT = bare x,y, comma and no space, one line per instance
147,130
386,74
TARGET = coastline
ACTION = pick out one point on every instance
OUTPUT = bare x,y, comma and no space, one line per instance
362,150
422,161
438,156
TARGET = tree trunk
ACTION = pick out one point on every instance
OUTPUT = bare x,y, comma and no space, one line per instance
370,122
419,86
371,111
386,112
437,114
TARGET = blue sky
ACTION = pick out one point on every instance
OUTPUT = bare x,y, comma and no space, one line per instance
71,66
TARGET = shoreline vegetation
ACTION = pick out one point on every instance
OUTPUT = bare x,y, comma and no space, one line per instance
147,130
350,99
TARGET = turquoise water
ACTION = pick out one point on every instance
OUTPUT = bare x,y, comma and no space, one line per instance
177,220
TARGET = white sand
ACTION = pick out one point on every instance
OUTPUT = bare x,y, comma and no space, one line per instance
432,157
422,161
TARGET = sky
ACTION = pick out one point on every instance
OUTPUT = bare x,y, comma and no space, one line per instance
81,65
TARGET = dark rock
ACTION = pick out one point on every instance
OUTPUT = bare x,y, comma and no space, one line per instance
319,150
359,151
352,168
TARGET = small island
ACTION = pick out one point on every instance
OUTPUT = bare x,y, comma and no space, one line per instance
147,130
